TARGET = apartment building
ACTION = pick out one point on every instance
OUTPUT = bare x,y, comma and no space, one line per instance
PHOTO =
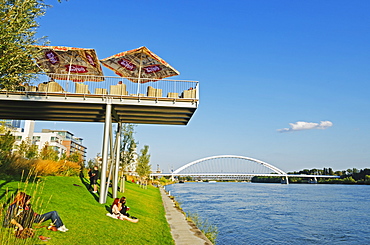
63,141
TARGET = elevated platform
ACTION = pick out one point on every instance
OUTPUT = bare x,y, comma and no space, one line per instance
91,108
131,103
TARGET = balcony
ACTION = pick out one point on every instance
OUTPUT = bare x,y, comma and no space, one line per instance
84,98
112,87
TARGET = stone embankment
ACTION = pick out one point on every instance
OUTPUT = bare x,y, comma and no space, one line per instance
183,232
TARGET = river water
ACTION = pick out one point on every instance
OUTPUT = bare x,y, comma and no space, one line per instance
255,213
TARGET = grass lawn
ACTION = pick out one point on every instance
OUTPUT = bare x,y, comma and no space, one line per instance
83,215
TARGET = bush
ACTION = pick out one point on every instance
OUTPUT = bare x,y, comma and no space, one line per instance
60,168
16,165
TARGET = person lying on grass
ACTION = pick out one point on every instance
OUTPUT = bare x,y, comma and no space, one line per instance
116,212
21,215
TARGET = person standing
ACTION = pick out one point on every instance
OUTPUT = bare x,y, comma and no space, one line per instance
94,179
89,173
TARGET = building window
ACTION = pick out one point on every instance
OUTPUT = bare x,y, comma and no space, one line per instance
36,138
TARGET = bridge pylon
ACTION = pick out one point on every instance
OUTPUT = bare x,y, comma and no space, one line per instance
285,180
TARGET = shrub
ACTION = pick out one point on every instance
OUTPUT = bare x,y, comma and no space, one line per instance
61,168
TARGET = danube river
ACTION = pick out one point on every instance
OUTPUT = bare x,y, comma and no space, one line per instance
251,213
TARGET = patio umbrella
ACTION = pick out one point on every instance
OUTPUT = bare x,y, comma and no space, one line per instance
67,63
139,63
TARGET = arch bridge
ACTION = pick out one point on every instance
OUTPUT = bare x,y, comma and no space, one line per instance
233,167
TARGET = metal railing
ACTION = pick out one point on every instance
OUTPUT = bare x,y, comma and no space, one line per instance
111,86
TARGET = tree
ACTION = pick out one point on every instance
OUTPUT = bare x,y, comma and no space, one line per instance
75,157
6,142
18,27
143,167
90,164
6,146
48,153
27,150
3,127
128,140
128,146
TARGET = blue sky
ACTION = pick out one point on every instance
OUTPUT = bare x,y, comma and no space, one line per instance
285,82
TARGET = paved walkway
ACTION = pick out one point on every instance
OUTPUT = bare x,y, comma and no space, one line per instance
183,232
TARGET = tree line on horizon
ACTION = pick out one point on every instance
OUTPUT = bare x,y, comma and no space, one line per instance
348,176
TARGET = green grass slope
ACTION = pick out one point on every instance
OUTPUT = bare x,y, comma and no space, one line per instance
85,218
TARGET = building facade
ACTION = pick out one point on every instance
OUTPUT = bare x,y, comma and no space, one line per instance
62,141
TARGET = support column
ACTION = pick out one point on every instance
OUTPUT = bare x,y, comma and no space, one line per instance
118,151
107,127
285,180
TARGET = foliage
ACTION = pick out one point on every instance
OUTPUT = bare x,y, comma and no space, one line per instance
165,181
27,150
86,219
61,168
6,145
128,144
349,176
75,157
90,164
143,167
209,230
48,153
7,142
17,164
18,27
3,127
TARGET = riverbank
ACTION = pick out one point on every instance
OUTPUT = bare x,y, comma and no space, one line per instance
183,232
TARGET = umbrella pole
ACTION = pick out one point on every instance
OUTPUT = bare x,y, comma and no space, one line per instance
69,73
138,80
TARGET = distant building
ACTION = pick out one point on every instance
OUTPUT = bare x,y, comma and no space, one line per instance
12,123
73,144
63,141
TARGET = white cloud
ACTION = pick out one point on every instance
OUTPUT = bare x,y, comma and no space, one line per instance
305,126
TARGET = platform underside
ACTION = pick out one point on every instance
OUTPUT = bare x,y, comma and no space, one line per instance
85,108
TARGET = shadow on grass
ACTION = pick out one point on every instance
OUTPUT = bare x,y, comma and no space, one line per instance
88,187
4,181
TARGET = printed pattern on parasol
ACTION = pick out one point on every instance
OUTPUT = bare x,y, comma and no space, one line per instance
139,65
67,63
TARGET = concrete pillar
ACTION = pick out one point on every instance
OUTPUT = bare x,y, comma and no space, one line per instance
117,154
107,126
285,180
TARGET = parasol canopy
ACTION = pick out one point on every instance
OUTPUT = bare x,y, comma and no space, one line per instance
67,63
139,63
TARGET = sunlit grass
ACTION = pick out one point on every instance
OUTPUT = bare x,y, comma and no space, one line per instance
83,215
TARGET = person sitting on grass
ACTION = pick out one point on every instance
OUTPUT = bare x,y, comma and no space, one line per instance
20,215
116,212
124,208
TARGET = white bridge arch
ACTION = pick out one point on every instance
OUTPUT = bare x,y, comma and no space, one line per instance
228,170
234,167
